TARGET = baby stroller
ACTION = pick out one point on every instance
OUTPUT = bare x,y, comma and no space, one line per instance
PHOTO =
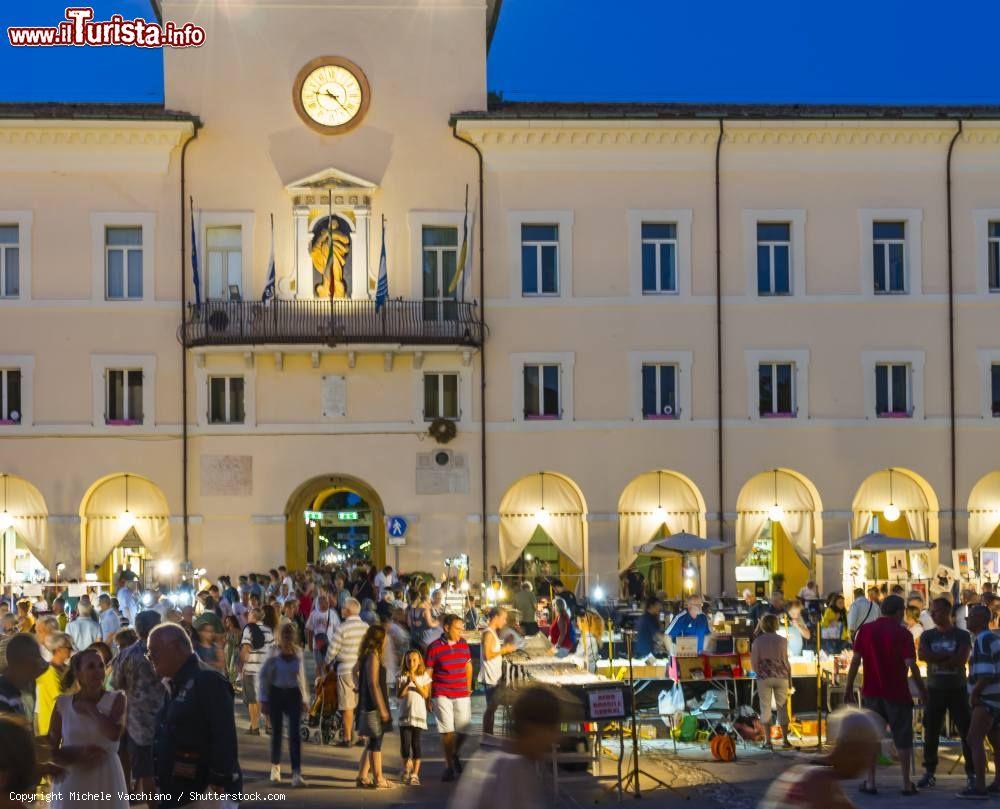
324,723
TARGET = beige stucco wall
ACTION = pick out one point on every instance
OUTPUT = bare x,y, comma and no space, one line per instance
426,61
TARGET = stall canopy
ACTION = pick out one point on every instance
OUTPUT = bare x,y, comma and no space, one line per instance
544,502
682,543
984,510
874,543
651,501
754,505
29,516
874,495
104,528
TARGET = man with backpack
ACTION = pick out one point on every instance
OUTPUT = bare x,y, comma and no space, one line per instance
863,610
253,649
320,626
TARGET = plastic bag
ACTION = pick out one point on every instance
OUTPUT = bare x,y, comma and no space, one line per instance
672,701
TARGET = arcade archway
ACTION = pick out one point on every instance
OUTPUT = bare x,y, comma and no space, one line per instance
898,503
334,516
779,525
124,522
984,513
543,528
653,505
24,546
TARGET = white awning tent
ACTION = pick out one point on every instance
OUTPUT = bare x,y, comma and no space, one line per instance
755,502
907,495
984,510
103,528
546,502
681,510
29,516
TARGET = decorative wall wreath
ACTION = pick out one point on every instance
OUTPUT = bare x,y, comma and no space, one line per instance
442,430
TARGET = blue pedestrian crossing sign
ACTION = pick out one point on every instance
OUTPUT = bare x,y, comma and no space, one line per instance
396,526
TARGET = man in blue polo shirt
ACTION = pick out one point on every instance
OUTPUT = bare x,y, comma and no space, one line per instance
691,622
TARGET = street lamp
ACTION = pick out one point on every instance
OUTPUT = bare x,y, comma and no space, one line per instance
660,512
542,516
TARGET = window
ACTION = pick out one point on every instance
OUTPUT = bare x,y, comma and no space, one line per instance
440,262
888,255
776,390
440,396
892,391
225,261
10,261
123,263
226,400
659,391
995,389
539,260
659,258
774,244
123,402
10,396
993,253
541,392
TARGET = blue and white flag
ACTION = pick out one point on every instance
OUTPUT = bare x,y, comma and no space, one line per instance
382,288
269,286
194,259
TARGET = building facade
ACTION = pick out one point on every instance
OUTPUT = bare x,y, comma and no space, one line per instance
620,273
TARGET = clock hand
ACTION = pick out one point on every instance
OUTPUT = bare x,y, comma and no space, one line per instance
327,92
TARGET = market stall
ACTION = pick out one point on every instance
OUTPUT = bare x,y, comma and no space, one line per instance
906,562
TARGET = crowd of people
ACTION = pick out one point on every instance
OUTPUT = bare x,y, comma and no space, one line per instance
135,693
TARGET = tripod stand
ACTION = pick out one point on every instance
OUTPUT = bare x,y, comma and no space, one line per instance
631,782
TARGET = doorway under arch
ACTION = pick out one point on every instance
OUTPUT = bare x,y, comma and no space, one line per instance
654,505
779,525
24,546
984,513
348,519
543,515
124,522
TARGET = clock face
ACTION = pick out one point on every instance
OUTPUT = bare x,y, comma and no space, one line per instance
331,94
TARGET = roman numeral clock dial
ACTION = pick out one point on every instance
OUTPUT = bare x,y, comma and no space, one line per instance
331,94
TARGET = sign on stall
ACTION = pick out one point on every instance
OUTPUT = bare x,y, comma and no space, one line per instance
605,703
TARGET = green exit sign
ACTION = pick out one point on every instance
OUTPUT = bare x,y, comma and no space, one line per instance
347,516
313,516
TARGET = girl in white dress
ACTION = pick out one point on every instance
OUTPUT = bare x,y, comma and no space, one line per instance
87,724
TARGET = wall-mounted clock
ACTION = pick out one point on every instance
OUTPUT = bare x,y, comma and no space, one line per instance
331,94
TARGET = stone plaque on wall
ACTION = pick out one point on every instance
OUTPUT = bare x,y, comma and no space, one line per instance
334,396
442,471
226,475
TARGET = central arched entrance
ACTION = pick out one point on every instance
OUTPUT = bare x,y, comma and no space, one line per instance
334,515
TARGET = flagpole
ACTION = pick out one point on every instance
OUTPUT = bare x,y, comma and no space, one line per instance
329,256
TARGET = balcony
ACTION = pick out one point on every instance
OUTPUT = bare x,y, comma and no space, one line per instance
331,323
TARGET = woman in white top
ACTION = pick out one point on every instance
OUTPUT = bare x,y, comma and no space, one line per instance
413,691
491,653
87,725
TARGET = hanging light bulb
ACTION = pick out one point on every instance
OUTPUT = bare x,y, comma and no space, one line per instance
659,512
6,518
541,515
126,519
776,513
891,511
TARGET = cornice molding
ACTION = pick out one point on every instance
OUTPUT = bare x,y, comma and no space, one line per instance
108,146
582,134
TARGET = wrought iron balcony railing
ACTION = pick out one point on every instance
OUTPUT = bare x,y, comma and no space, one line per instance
338,322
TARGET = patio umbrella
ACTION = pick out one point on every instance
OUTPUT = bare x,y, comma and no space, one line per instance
874,543
682,542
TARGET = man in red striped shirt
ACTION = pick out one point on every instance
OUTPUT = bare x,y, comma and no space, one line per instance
449,662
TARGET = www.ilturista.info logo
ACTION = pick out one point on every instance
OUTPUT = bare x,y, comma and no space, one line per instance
79,29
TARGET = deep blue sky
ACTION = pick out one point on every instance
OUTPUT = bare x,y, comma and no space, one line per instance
851,51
